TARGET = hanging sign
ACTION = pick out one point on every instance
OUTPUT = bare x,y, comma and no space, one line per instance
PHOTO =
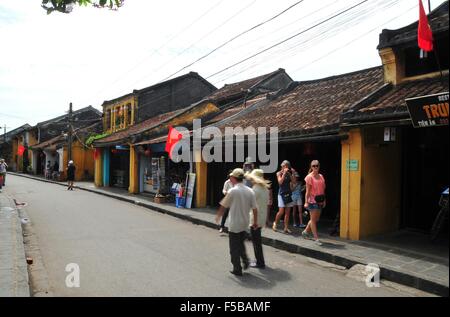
428,111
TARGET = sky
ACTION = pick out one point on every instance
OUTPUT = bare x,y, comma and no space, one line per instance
92,55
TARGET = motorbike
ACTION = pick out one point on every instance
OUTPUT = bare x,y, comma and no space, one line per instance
441,218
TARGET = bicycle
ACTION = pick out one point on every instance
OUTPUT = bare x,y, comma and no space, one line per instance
441,218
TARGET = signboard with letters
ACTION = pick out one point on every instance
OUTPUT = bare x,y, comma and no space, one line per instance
428,111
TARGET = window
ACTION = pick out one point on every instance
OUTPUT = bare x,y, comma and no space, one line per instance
129,114
108,120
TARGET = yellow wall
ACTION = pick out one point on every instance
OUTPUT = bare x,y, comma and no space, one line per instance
350,187
83,158
32,140
98,180
134,176
201,170
371,196
381,184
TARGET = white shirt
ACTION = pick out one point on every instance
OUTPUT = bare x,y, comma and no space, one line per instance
262,200
239,199
227,186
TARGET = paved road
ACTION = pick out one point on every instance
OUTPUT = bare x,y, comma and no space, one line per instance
126,250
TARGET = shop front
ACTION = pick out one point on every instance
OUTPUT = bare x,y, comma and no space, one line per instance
119,169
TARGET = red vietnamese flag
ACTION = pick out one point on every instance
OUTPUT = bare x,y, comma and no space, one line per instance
172,139
20,150
424,34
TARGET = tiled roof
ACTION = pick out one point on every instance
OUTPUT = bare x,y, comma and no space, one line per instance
137,128
82,133
393,101
237,89
438,20
312,106
235,109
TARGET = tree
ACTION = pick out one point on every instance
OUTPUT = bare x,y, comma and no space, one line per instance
66,6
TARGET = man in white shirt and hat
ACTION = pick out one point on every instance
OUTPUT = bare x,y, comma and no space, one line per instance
240,200
261,190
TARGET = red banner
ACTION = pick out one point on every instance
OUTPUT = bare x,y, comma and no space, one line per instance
20,150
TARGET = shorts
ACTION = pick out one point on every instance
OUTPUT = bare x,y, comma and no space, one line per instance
281,203
314,207
297,200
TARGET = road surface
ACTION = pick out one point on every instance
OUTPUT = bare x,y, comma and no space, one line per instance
125,250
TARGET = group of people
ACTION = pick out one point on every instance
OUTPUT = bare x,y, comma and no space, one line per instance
52,172
3,167
247,204
70,173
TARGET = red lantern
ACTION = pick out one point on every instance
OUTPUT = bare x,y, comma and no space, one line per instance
148,152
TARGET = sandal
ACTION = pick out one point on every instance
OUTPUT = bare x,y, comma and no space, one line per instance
287,231
274,227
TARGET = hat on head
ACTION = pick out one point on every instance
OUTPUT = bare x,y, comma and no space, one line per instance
286,162
237,173
70,162
249,160
257,177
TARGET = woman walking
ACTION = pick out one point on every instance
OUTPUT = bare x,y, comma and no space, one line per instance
296,187
315,200
285,202
3,167
70,175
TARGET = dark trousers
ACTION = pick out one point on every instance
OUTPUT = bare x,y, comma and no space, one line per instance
257,246
224,218
237,249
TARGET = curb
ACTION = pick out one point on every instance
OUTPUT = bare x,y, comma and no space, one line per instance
385,273
15,274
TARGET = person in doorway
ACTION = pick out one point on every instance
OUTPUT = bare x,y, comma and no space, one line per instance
70,175
55,171
249,166
315,200
226,187
48,170
261,190
239,199
3,167
285,202
296,187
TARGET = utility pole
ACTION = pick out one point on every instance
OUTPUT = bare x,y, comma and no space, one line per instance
69,133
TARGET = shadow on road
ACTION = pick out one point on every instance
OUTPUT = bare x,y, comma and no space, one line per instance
262,279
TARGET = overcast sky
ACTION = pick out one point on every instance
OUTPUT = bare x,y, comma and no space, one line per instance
92,55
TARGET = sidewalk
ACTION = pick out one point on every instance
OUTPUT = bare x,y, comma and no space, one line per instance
411,268
13,265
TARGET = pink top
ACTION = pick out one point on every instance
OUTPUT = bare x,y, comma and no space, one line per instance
317,187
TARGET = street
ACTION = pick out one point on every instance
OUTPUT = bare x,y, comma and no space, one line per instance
126,250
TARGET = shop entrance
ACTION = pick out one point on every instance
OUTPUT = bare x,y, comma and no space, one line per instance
120,167
425,175
300,155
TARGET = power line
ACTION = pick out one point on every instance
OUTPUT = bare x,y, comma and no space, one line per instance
235,37
183,30
202,38
324,34
285,40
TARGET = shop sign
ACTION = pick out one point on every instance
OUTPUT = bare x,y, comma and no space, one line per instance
429,111
352,165
190,189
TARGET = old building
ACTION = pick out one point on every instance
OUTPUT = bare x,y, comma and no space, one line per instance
394,172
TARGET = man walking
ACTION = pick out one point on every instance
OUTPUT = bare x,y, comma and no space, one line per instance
239,199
